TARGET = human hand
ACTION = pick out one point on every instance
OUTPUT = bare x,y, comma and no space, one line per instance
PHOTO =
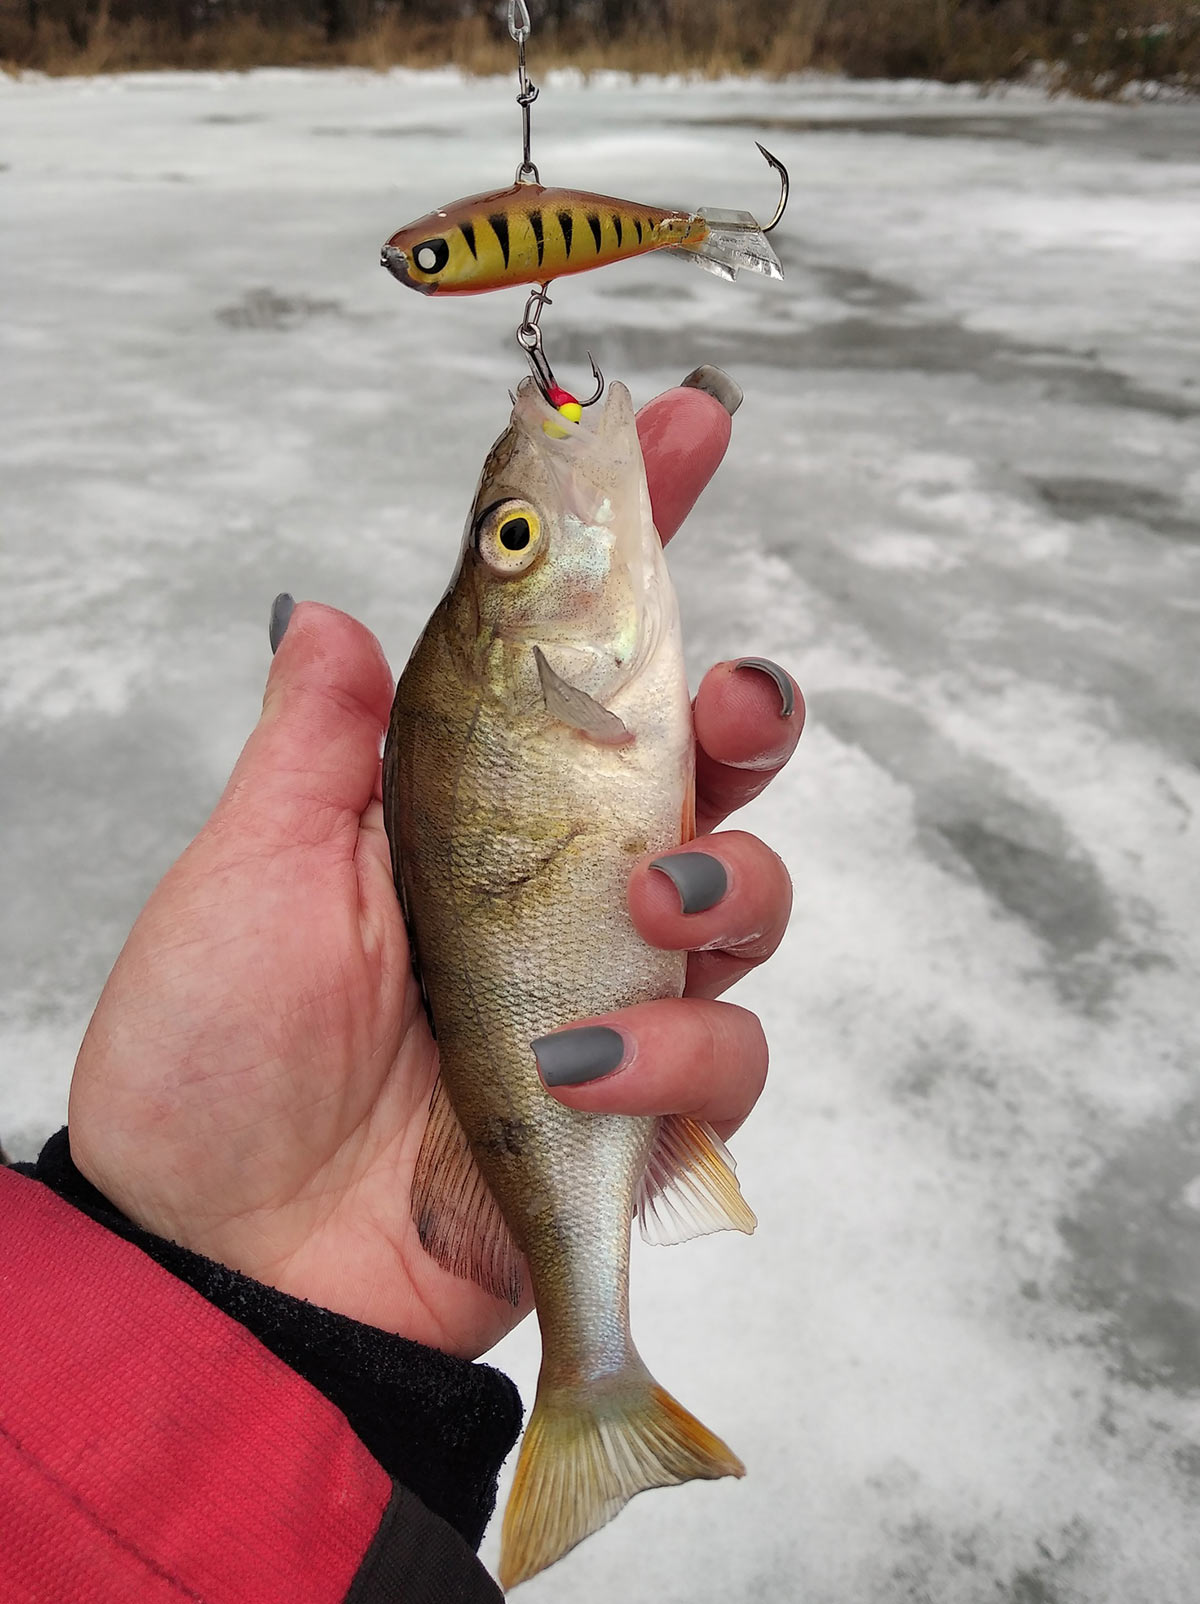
255,1079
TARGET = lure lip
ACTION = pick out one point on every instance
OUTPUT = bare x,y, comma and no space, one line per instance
396,263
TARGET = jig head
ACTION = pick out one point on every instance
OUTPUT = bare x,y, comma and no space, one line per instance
529,338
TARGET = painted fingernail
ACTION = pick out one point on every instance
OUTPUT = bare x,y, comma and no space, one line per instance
699,878
281,616
717,383
783,684
573,1057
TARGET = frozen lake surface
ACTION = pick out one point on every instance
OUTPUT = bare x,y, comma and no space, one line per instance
961,1357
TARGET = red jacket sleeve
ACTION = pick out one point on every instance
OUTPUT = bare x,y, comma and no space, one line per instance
151,1450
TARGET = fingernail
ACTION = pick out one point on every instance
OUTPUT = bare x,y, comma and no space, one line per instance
717,383
783,684
281,616
699,878
572,1057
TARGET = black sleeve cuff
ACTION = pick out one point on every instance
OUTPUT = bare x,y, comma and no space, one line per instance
440,1426
416,1559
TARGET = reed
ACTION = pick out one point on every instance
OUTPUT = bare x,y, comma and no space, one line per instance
1092,47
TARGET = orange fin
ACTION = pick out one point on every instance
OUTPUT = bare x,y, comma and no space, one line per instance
586,1451
458,1219
689,1187
687,818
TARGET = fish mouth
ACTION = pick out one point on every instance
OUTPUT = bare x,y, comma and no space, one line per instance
396,263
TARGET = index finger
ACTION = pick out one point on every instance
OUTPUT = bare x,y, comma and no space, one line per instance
748,715
684,434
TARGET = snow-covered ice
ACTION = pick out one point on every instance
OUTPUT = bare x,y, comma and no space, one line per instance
961,1357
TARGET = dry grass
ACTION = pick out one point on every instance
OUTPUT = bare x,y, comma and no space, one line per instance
1093,47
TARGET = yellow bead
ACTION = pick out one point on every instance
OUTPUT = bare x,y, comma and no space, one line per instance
554,430
572,410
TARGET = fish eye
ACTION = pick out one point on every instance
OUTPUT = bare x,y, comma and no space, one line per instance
508,536
431,255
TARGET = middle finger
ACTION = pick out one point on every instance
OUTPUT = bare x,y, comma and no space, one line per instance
725,899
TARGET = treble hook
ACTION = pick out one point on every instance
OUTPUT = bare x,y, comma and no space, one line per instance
785,184
529,338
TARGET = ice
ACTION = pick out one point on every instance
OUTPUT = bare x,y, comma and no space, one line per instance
961,1356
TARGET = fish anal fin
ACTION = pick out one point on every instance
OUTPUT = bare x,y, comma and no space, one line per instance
457,1218
586,1452
689,1187
571,706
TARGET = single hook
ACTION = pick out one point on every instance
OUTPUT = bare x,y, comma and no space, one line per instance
785,185
529,338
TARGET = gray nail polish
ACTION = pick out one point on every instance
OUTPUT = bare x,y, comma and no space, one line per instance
717,383
764,665
281,616
699,878
571,1057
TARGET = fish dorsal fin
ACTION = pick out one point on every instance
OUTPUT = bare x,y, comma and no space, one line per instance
689,1187
569,705
687,814
391,825
457,1218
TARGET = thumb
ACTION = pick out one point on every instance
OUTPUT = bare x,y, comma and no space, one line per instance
312,761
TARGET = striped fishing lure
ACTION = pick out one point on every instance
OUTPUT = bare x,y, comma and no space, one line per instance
528,234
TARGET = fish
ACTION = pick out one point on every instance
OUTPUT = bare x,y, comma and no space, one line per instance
530,234
540,743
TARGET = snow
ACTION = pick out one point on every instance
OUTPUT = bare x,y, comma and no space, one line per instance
961,1356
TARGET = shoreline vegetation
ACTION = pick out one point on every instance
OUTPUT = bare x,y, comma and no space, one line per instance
1087,47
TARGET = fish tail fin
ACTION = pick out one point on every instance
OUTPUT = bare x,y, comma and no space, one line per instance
586,1452
731,241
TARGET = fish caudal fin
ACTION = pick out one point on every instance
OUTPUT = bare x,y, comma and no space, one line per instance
733,240
586,1453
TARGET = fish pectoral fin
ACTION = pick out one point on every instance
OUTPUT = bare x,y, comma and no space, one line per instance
586,1452
689,1187
457,1218
571,706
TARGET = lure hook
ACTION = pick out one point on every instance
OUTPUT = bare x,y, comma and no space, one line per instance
785,186
529,338
519,28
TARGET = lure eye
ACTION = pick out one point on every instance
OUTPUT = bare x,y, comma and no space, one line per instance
431,255
508,537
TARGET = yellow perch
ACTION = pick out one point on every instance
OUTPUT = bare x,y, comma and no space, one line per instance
540,743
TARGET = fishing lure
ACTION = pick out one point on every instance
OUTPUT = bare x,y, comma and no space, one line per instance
531,234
